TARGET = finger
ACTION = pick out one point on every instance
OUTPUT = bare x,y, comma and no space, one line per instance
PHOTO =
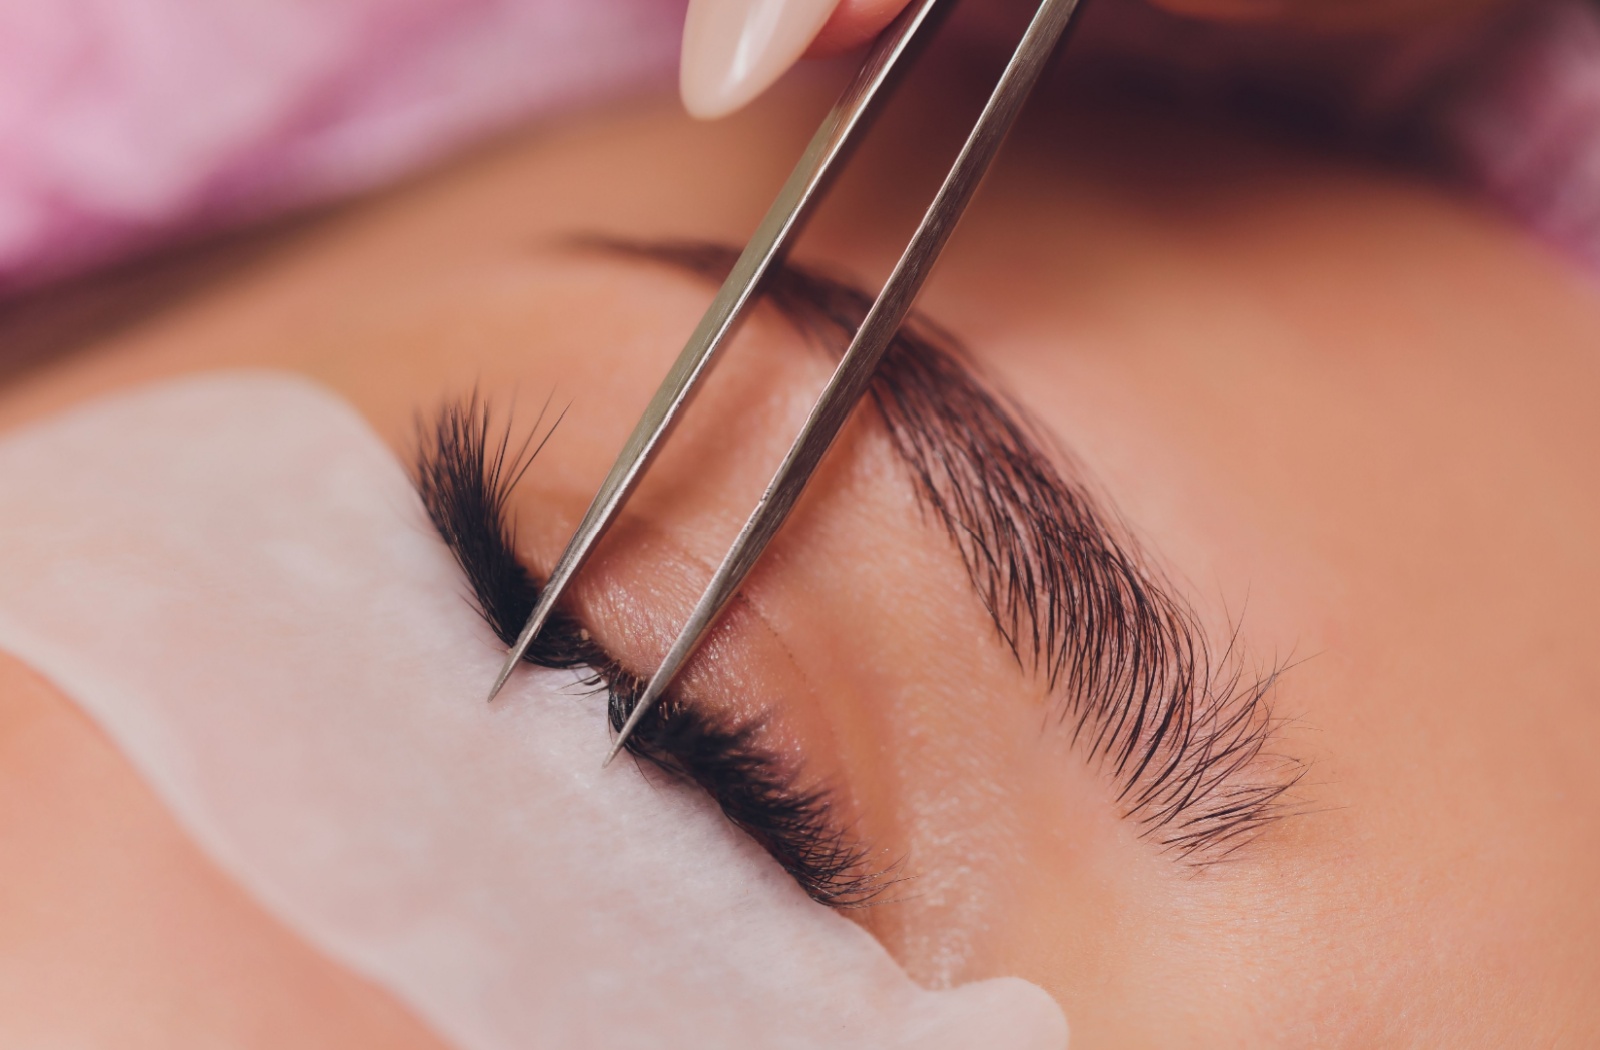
853,24
734,49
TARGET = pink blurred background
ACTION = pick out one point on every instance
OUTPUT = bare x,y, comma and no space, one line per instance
128,123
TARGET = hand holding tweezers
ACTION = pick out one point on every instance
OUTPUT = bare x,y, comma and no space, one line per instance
850,378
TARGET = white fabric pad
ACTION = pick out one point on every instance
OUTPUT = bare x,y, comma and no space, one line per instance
232,575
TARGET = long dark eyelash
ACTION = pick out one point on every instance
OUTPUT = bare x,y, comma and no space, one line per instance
1183,731
464,471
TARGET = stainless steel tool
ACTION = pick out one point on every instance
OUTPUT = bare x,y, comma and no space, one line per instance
805,187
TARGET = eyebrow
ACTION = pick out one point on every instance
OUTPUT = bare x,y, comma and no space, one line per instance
1183,730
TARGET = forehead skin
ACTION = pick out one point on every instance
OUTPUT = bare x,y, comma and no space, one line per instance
1338,408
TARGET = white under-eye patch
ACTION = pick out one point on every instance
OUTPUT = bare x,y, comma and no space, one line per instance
232,575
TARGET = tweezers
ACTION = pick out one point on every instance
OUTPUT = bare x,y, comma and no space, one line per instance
840,130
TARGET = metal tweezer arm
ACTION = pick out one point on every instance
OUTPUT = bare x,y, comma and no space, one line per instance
767,247
854,370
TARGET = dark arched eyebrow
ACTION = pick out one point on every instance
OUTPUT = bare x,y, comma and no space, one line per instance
1183,730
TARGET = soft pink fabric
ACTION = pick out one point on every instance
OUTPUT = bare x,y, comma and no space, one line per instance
127,122
1526,127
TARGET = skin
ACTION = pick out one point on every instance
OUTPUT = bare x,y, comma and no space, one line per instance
1340,410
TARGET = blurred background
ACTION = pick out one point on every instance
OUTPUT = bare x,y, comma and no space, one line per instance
143,142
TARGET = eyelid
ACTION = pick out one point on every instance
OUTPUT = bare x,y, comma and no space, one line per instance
464,478
1183,732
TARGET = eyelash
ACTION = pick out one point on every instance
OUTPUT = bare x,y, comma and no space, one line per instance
465,474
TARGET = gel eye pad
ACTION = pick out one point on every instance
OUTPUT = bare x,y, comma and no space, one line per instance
232,576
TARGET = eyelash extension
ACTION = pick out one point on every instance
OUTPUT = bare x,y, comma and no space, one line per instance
464,472
1183,731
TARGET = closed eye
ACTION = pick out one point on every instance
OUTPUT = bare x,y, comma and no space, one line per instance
465,471
1182,731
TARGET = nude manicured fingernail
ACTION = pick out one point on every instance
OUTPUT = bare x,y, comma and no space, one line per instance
734,49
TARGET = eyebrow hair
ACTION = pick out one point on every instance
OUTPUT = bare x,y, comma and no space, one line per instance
1184,731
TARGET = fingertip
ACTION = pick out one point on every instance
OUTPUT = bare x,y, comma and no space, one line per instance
854,23
733,50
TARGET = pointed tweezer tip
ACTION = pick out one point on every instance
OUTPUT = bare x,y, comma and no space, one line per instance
626,731
505,676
